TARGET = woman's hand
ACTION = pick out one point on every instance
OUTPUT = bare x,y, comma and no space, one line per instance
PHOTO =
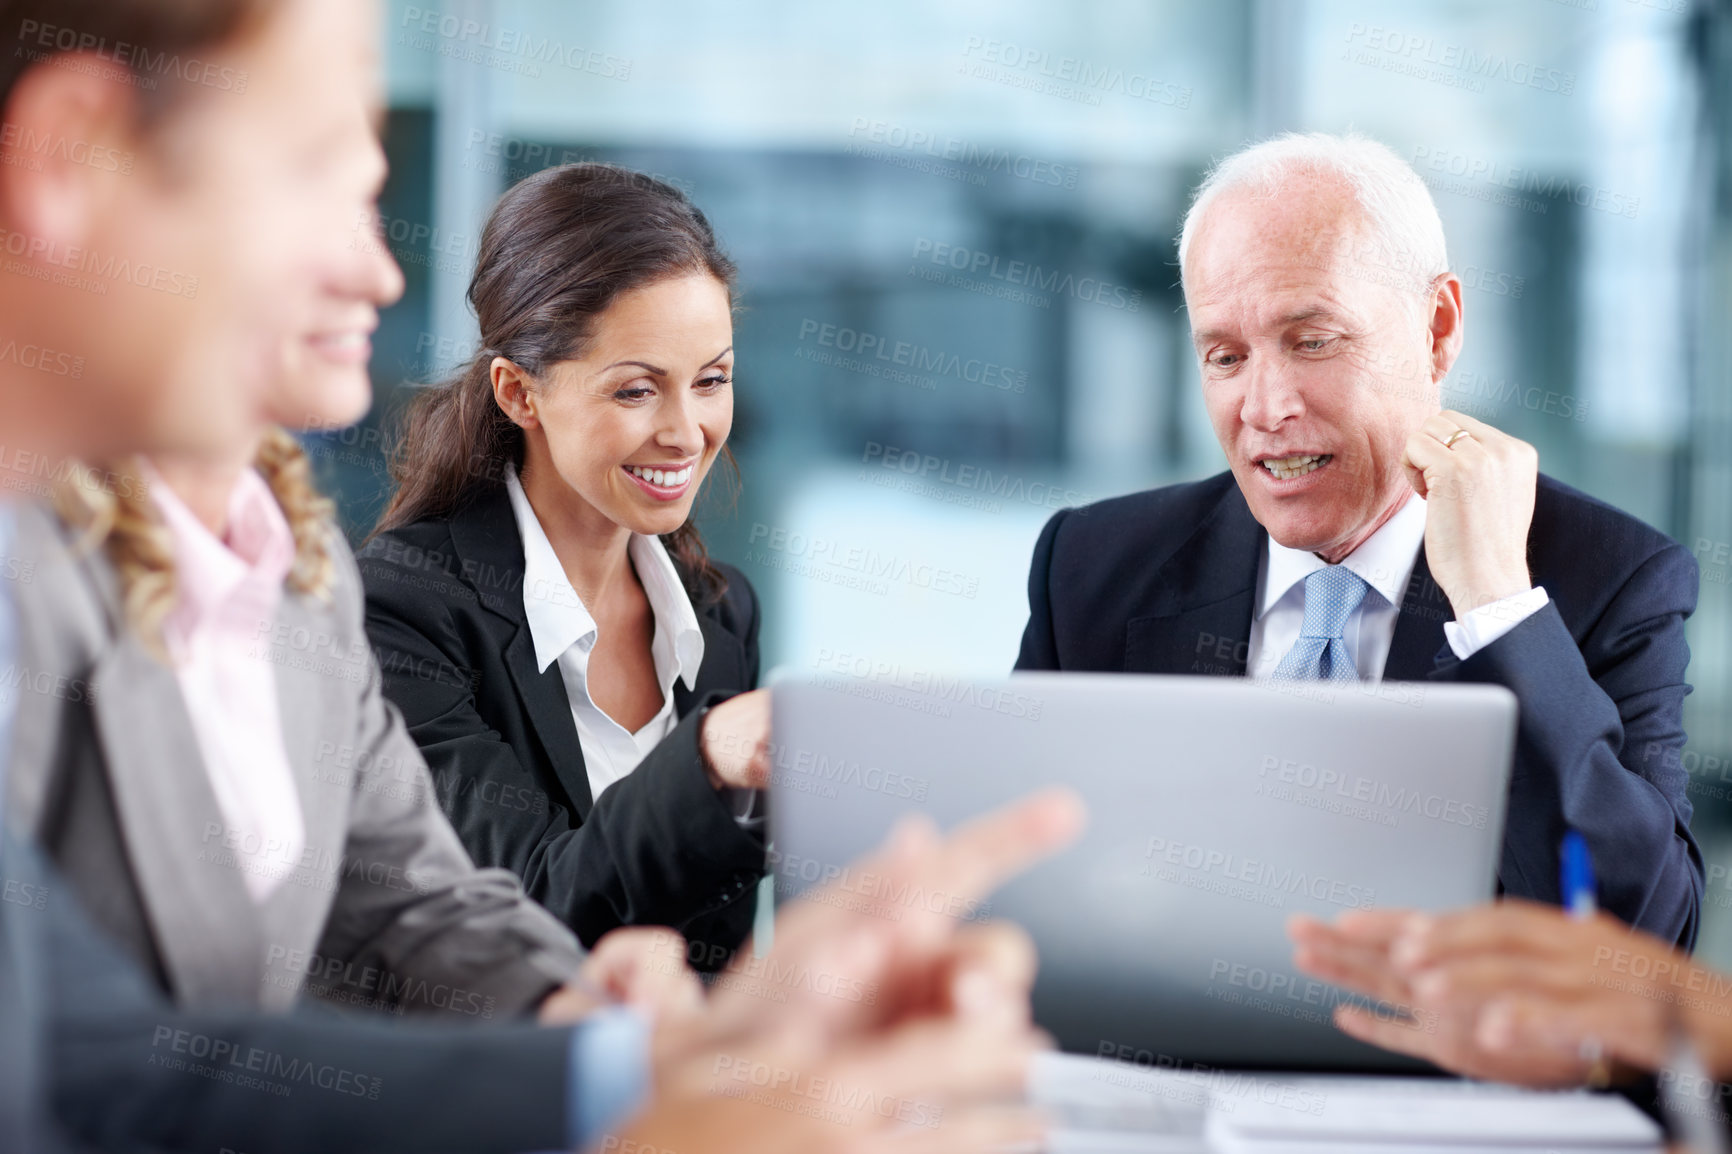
639,966
735,741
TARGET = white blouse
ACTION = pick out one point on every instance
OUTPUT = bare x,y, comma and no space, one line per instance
564,631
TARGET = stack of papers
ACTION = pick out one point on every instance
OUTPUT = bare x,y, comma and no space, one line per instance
1104,1107
1417,1117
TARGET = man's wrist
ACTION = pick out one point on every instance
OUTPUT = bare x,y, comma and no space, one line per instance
1482,590
1478,628
1707,1022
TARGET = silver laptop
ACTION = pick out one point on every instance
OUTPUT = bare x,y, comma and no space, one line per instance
1217,808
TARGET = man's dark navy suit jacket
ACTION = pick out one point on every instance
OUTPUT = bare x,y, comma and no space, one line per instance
1165,581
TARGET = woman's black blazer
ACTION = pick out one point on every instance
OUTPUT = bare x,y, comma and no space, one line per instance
661,846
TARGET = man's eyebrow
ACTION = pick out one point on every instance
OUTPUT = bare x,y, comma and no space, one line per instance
1302,315
1285,321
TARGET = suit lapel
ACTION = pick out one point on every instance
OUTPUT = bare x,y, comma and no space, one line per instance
723,667
35,737
490,553
203,919
1419,647
1202,599
549,707
66,605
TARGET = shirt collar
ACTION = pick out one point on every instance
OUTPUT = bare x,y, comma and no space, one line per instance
1385,559
675,617
217,578
556,615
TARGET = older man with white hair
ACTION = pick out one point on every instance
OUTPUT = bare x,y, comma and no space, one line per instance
1364,533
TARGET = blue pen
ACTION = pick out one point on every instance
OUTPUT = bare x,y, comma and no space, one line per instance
1576,877
1580,896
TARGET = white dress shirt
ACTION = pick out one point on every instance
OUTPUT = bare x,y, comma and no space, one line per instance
224,589
564,631
1385,561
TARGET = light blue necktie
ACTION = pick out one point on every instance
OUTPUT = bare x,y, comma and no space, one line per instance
1331,596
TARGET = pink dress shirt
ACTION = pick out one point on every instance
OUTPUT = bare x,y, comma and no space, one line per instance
228,594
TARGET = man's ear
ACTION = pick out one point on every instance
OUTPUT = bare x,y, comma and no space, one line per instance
1445,323
69,138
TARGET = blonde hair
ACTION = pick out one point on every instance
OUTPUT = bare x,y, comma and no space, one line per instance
115,512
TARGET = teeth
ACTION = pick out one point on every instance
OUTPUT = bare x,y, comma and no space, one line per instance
662,478
1286,468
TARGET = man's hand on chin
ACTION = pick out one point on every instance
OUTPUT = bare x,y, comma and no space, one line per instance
1479,493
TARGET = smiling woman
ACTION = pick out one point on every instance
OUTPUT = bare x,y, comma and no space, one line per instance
540,542
601,231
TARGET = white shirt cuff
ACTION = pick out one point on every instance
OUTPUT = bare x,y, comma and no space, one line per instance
609,1076
744,803
1486,624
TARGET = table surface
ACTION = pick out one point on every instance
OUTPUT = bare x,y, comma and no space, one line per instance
1102,1107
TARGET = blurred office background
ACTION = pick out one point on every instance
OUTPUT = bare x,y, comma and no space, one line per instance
954,221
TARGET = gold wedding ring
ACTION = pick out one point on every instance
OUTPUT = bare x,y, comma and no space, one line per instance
1456,436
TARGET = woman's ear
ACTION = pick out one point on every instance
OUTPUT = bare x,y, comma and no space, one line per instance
512,392
72,109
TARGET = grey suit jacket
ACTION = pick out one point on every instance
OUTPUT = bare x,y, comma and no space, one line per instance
383,909
92,1057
